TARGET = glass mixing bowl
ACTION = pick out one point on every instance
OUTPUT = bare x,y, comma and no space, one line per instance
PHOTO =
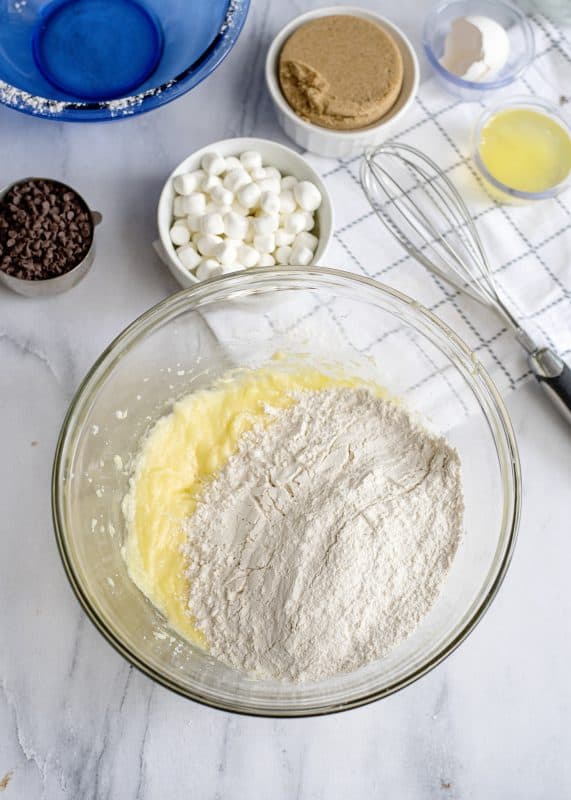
243,319
91,60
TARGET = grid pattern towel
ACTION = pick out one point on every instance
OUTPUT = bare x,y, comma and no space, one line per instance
529,246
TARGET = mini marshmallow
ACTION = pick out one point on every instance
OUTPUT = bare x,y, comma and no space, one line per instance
228,268
210,182
258,173
239,209
287,202
207,244
295,223
265,243
189,182
266,223
179,234
195,237
222,196
208,268
235,225
179,206
305,239
307,195
212,223
273,172
251,159
300,256
226,252
233,163
249,195
194,203
213,163
309,221
270,202
248,256
266,260
282,255
283,238
269,185
188,256
236,178
288,183
193,222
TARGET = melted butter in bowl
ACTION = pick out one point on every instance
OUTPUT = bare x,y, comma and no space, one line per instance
523,150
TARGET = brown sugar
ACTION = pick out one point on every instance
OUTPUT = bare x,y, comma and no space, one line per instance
341,72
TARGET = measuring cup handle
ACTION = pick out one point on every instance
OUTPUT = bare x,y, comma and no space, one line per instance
554,376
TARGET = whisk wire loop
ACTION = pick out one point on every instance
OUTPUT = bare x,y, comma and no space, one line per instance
427,215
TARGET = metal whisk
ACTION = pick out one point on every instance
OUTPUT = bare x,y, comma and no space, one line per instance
423,210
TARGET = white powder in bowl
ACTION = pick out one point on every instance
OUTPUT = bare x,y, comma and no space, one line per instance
325,539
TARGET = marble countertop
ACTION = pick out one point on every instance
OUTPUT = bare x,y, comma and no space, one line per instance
75,720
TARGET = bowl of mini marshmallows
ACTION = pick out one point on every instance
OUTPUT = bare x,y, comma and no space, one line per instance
242,203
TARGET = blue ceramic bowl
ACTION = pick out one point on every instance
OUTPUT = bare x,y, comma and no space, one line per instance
92,60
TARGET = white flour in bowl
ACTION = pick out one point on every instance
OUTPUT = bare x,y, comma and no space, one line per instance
325,539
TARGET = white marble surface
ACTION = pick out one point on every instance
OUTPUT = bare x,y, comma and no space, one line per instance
75,720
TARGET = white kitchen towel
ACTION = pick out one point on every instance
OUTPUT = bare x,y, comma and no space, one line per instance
529,246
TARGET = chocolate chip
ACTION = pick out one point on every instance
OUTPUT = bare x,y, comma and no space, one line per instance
45,230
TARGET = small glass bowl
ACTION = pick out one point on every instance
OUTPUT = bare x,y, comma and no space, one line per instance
512,19
496,188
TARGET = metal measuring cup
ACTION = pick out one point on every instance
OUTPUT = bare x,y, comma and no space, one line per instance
44,287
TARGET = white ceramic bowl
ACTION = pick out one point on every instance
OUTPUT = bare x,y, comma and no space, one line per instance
339,144
273,154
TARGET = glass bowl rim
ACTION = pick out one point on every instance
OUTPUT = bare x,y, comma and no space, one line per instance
327,277
21,100
518,101
479,86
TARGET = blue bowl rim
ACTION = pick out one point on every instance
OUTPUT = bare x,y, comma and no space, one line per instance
523,21
131,105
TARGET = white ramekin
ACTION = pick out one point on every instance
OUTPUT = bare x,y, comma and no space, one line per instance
273,154
338,144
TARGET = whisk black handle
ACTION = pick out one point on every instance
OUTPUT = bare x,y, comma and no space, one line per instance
555,377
